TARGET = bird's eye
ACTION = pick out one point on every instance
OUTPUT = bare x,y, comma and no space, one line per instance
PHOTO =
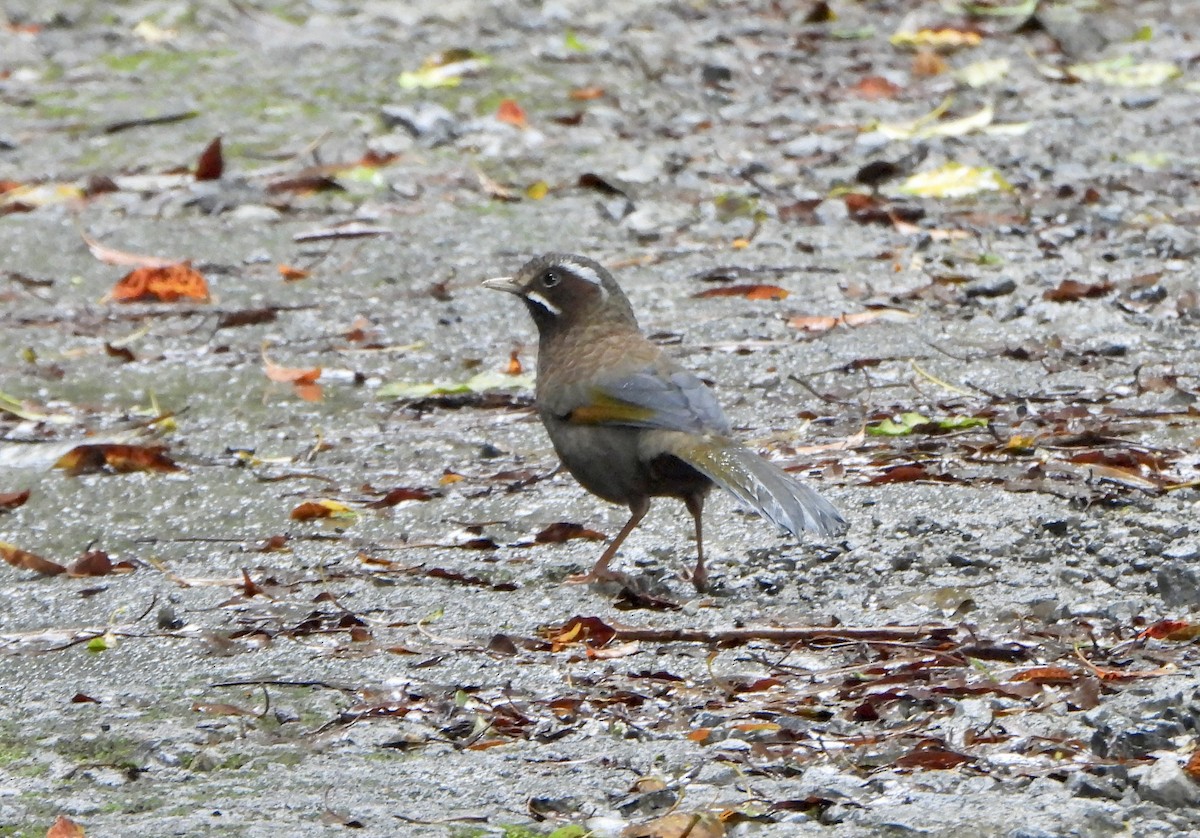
550,279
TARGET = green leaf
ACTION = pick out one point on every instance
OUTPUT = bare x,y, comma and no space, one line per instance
572,42
957,423
902,425
480,383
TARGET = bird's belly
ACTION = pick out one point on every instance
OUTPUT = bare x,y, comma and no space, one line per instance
604,460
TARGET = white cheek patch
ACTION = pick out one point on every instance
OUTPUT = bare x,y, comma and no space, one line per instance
543,302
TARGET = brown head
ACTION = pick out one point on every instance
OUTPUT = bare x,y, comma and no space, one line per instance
562,291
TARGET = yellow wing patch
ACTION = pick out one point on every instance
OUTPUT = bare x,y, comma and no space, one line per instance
605,410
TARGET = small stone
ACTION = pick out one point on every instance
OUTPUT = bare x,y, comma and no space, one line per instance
1083,784
992,286
1140,100
430,123
1168,784
1178,585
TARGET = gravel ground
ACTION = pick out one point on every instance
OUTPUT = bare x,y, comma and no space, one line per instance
403,668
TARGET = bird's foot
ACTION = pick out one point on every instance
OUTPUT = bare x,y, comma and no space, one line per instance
592,576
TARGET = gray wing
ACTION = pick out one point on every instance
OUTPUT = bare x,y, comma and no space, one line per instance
673,400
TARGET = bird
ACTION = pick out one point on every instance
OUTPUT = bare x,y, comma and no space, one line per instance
630,423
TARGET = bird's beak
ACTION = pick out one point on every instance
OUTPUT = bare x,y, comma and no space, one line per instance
503,283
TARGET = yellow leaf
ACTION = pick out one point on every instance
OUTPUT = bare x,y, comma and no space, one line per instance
945,39
537,191
1123,71
954,180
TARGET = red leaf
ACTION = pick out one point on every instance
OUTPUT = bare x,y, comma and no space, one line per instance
1071,290
512,113
750,292
211,163
11,500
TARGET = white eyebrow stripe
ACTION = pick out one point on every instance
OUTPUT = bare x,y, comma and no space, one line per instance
543,302
584,272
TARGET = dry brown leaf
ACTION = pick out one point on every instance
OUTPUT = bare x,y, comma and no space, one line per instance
211,164
1072,290
514,363
750,292
1179,631
303,381
1045,675
64,827
168,284
92,563
565,531
122,459
823,322
25,560
396,496
12,500
928,63
512,113
678,825
112,256
876,87
1192,767
291,274
584,94
324,508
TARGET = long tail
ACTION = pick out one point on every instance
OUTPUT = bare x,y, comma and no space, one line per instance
760,485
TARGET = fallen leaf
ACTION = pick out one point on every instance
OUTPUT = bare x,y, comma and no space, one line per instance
678,825
400,495
931,125
25,560
823,323
111,457
939,39
983,73
211,164
482,382
13,500
1177,631
750,292
444,69
537,191
112,256
876,87
928,63
1124,71
591,631
514,363
932,758
92,563
512,113
565,531
954,180
64,827
167,284
291,274
495,189
1045,675
304,381
584,94
1072,290
324,508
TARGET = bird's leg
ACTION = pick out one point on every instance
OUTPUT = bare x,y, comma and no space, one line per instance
600,572
695,505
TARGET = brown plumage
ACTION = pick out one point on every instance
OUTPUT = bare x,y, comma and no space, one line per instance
629,423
